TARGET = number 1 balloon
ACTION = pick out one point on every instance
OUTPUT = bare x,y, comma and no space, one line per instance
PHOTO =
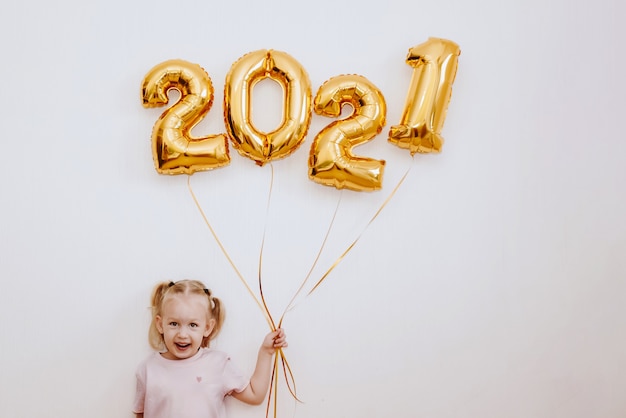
434,68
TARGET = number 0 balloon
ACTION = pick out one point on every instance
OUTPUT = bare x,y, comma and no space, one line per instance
240,80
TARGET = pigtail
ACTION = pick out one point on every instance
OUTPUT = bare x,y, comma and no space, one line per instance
217,313
155,338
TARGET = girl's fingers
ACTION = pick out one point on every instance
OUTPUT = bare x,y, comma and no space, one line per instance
280,342
279,338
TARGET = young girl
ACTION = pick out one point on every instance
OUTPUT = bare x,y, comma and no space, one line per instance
185,378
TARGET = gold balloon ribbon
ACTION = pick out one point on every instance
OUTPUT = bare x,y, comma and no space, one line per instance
288,373
319,253
263,308
289,378
280,355
291,305
343,255
267,209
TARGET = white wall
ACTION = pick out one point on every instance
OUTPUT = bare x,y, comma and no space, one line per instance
492,285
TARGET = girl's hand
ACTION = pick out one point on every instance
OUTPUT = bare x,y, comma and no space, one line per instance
255,392
274,340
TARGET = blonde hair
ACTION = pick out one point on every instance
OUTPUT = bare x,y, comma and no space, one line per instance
183,287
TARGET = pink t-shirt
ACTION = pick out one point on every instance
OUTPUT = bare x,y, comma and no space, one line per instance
189,388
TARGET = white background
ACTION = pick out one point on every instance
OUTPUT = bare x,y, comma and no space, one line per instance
492,284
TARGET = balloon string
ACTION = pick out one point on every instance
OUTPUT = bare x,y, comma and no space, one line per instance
319,253
342,256
286,368
289,378
288,375
232,264
269,398
267,209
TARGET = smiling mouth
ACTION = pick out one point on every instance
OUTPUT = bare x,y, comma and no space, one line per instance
182,346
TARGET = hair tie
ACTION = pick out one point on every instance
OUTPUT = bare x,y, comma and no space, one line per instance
171,284
208,292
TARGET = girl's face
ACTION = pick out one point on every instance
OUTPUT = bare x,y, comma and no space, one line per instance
184,323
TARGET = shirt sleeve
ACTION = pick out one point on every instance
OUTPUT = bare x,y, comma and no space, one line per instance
234,379
140,392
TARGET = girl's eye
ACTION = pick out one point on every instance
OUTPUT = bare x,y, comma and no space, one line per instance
193,325
173,324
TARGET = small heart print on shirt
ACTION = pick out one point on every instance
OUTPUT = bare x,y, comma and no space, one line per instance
199,379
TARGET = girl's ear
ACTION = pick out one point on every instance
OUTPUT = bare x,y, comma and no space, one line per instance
209,327
159,323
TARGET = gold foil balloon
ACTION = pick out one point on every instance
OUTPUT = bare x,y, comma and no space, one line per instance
331,161
240,80
434,68
173,149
